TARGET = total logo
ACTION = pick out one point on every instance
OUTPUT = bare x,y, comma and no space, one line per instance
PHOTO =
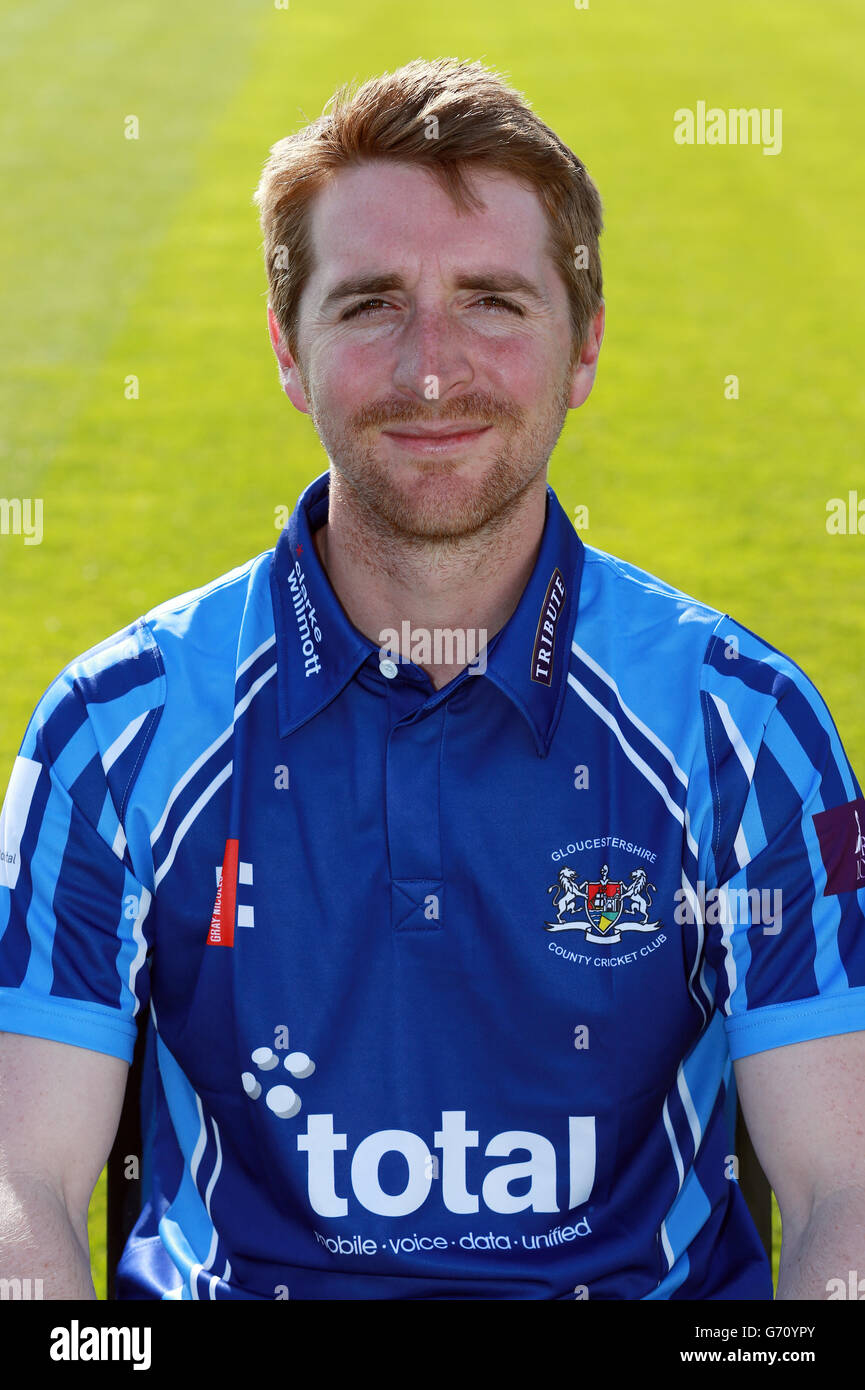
331,1176
282,1100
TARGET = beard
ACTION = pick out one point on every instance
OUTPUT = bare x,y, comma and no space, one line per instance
445,499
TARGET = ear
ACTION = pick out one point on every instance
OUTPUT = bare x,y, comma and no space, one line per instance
289,372
586,365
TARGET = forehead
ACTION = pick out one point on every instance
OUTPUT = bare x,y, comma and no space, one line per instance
387,208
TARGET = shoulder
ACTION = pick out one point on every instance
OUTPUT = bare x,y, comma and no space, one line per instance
210,616
682,663
659,619
638,649
613,589
114,693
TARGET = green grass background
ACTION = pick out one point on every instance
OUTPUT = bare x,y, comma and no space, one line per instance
143,257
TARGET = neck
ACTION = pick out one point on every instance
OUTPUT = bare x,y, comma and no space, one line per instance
469,584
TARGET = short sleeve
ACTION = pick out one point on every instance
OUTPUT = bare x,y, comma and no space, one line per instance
75,921
785,917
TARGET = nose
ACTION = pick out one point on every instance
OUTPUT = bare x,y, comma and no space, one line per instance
432,359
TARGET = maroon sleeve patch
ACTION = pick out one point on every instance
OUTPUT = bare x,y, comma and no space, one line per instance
841,833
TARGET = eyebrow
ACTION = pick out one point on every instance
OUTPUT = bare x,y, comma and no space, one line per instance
491,281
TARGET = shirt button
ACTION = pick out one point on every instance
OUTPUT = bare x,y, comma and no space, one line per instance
388,668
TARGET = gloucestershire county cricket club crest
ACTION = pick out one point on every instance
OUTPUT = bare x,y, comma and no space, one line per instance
605,902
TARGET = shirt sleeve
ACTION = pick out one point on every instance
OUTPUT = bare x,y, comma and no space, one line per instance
785,915
75,924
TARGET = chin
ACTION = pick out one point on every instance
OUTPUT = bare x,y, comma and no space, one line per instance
441,504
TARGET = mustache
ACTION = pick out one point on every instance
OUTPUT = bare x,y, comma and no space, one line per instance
477,406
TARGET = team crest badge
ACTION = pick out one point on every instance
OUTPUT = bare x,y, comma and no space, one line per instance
606,903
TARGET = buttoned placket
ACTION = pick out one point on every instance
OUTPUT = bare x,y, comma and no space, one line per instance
413,771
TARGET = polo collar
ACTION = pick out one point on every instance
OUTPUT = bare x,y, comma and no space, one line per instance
319,650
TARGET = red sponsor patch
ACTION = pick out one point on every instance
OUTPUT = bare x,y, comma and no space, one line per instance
841,833
222,922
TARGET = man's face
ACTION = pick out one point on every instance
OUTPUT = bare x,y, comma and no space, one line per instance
435,347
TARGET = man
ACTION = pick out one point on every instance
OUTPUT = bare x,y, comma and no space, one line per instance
465,870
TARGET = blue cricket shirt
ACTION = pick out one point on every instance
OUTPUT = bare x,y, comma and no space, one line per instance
444,987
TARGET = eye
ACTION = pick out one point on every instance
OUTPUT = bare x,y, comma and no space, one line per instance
507,304
495,301
361,308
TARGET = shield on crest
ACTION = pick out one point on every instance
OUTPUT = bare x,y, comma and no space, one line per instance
604,904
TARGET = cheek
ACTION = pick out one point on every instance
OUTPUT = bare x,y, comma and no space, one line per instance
521,370
346,376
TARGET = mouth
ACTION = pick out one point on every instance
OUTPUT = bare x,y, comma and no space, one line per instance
443,439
